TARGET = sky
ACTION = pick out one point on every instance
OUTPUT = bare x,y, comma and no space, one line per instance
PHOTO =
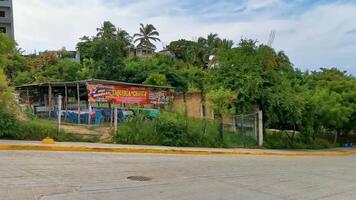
314,33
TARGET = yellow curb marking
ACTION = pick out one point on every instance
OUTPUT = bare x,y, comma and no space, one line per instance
170,151
48,140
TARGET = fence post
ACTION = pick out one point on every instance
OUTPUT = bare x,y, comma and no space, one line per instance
78,102
260,128
234,123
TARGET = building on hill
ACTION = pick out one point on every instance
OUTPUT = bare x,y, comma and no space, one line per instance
73,55
166,52
141,52
6,18
61,54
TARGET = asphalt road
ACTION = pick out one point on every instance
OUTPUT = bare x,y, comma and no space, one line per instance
103,176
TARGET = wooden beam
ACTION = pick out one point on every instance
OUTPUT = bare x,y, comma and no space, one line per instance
49,100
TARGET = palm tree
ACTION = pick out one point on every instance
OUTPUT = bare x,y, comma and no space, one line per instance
226,44
212,40
124,36
107,31
147,34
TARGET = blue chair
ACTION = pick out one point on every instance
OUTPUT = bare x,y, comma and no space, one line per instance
84,118
74,117
99,118
121,116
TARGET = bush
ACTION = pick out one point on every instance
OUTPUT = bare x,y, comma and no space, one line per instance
172,129
7,124
36,129
279,140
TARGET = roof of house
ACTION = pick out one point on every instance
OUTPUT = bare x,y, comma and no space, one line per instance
91,81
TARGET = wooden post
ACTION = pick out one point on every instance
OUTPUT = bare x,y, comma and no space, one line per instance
27,96
260,128
65,101
111,115
115,120
78,96
49,100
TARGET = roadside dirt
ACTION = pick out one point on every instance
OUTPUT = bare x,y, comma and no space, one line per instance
102,132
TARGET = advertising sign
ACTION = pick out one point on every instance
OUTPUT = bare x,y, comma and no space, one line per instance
161,97
117,94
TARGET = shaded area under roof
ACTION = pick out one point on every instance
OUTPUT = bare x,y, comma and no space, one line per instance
91,81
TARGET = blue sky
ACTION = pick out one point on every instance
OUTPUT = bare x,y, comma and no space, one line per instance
314,34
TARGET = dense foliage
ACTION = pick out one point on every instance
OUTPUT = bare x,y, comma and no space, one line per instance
235,79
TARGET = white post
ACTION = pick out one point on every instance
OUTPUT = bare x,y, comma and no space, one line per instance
234,123
115,120
59,112
260,128
90,111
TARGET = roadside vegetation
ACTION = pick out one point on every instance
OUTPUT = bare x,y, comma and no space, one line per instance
312,109
171,129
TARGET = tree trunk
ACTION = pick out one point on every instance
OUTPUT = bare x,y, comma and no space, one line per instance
337,133
293,134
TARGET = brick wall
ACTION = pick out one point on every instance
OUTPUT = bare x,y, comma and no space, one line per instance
194,106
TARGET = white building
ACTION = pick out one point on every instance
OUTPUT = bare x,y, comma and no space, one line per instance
6,18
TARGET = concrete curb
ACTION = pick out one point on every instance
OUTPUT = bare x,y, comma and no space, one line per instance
169,151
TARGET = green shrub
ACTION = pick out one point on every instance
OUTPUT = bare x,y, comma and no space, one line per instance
7,124
36,129
279,140
172,129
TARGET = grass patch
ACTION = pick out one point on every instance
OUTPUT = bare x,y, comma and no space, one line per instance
37,129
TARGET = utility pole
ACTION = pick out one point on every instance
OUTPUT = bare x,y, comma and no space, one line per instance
260,128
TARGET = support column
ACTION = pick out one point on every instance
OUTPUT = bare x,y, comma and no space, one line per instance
27,96
111,115
59,114
49,100
78,103
65,101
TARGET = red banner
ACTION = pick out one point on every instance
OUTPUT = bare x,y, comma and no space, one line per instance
118,94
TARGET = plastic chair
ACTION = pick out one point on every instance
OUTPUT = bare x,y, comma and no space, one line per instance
99,119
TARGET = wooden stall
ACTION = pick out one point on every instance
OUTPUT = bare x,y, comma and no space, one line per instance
85,100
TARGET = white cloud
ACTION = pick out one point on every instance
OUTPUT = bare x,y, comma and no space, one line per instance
313,38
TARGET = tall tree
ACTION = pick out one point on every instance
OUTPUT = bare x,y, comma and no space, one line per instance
124,36
148,34
107,31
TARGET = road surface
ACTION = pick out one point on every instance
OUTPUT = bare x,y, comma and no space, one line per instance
103,176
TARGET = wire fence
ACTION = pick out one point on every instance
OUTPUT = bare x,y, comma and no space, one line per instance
245,127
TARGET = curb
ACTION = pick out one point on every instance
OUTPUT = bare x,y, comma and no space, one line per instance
168,151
